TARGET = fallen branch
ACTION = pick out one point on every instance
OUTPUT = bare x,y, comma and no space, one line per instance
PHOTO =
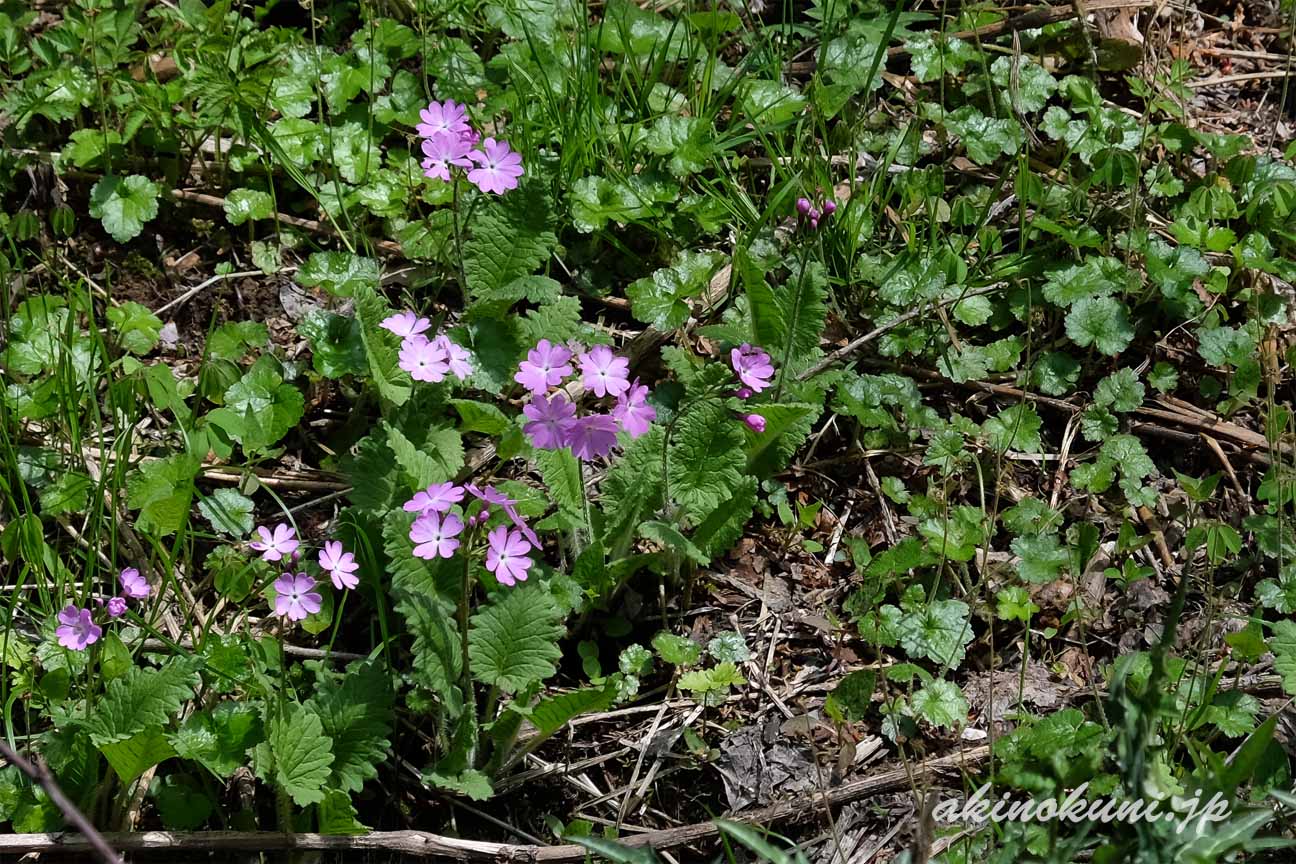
421,844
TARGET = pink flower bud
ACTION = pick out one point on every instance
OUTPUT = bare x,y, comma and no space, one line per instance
829,207
814,222
755,422
743,392
296,555
803,206
117,607
814,214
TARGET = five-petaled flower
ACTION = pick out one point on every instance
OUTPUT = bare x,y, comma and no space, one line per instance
424,359
436,537
498,167
491,495
603,372
439,498
448,117
277,546
753,367
506,555
295,597
550,421
458,359
593,435
134,585
546,365
77,629
442,151
339,564
632,410
405,324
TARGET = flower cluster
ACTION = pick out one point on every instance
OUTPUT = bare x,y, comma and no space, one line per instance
77,628
423,358
755,370
450,142
295,594
552,423
442,521
814,215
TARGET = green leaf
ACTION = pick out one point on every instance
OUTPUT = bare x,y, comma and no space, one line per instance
562,477
1102,322
1042,557
729,646
260,408
1121,391
852,698
437,658
1164,377
552,713
481,417
595,201
677,650
669,537
1014,603
337,343
124,205
470,783
356,715
135,327
711,686
1056,373
985,138
790,319
1028,83
769,103
437,459
232,340
1015,428
219,738
1225,346
302,754
161,491
393,384
509,238
337,815
512,643
705,459
145,698
723,527
68,494
181,806
687,140
941,703
938,631
341,274
661,300
1283,645
228,511
355,153
244,204
132,757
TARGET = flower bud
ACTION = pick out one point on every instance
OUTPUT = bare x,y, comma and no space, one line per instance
829,207
755,422
803,206
814,214
743,392
116,607
814,222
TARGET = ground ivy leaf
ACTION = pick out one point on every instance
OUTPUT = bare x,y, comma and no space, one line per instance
1121,391
941,703
1042,557
339,273
661,300
1015,428
219,738
244,204
137,329
124,205
228,511
1102,322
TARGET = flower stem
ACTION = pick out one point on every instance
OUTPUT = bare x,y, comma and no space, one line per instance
465,680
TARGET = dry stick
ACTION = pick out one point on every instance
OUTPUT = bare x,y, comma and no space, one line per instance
193,292
856,344
40,773
419,844
388,246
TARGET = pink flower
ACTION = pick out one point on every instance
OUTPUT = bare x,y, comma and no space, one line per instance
76,630
274,547
424,360
116,607
604,372
440,117
803,206
133,584
743,392
294,597
546,365
551,420
752,366
442,151
438,498
632,410
340,565
498,167
506,555
435,536
592,435
457,359
755,422
491,495
405,324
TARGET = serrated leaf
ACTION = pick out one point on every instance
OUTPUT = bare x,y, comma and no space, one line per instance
337,815
470,783
789,320
124,205
260,408
356,715
161,491
512,643
552,713
1015,428
244,204
135,327
723,527
661,300
1102,322
132,757
852,698
562,477
1121,391
437,459
729,646
1283,645
509,238
219,738
144,698
670,538
228,511
337,345
1042,557
393,384
705,458
341,274
938,631
302,753
677,650
941,703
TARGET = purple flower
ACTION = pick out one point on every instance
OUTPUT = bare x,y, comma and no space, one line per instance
506,555
133,584
405,324
274,547
438,498
491,495
546,365
803,206
442,151
755,422
604,372
436,536
340,565
743,392
593,435
76,630
442,117
116,607
294,597
423,359
498,167
632,410
829,207
752,366
458,359
551,421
